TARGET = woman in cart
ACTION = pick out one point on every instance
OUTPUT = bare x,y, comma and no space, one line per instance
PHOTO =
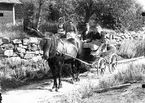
95,38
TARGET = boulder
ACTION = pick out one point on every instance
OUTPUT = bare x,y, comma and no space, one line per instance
9,53
17,41
7,46
22,46
20,50
21,55
34,47
1,42
37,52
41,52
15,59
29,55
5,40
25,41
36,58
1,50
33,40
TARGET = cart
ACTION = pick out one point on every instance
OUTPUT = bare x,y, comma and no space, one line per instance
101,61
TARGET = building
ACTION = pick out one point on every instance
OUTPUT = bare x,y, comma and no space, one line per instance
7,11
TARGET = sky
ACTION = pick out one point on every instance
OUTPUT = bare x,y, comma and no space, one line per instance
142,3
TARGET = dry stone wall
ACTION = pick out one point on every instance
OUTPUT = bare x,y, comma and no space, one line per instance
18,49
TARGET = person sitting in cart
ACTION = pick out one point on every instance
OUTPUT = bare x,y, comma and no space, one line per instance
61,31
94,37
70,28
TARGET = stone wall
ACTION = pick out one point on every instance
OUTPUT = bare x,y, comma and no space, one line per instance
27,49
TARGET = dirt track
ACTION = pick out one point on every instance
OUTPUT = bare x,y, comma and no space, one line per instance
41,92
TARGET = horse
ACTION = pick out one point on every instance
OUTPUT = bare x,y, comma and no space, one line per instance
56,51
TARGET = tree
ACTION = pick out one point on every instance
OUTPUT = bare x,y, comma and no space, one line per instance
86,8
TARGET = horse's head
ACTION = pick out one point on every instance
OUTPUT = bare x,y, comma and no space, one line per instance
45,45
49,45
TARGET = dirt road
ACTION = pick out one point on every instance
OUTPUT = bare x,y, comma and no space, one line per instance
41,92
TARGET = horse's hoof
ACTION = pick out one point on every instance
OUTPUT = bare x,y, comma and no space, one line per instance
60,86
143,85
78,79
53,87
72,81
56,90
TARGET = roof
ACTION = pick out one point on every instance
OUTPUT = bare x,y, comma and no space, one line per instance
10,1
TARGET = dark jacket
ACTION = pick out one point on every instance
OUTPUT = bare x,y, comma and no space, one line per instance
93,35
69,27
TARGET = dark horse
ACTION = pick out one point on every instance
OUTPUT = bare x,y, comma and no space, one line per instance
56,51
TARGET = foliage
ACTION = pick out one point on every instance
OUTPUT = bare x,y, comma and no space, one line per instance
14,74
135,73
112,14
132,48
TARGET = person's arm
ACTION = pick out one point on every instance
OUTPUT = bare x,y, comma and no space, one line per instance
89,37
75,29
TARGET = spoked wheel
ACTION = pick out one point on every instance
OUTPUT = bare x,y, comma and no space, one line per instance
112,62
101,65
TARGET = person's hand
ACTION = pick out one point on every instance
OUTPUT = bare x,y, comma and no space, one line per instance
85,41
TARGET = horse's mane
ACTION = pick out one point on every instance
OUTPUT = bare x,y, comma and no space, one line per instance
50,42
53,45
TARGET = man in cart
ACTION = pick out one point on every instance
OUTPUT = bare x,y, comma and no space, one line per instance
95,38
70,28
61,31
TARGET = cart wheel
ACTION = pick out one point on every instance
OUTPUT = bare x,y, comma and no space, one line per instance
112,62
101,65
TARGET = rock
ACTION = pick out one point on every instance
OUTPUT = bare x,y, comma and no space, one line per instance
36,58
29,55
17,41
41,52
9,53
5,40
34,47
21,55
33,40
15,59
25,41
1,50
1,42
20,50
22,46
37,52
7,46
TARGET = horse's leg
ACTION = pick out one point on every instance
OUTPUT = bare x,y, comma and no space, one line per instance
77,63
53,70
72,70
60,65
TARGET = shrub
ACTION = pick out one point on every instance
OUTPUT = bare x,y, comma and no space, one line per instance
135,73
132,48
16,72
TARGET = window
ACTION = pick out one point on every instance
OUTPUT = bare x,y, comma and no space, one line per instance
1,14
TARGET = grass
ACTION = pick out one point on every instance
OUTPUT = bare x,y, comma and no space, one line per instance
12,31
78,94
135,73
14,74
132,48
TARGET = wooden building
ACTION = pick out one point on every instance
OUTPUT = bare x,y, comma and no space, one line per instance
7,11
